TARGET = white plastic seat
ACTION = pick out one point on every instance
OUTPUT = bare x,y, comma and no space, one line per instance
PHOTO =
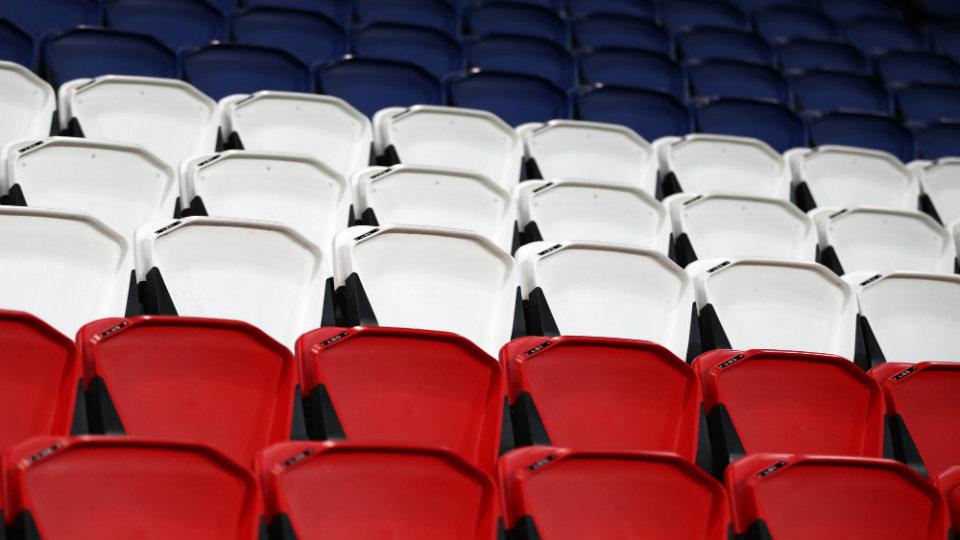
433,197
846,176
868,239
594,289
738,226
940,182
774,304
255,271
591,152
66,268
452,138
27,104
558,210
429,278
705,163
168,117
325,127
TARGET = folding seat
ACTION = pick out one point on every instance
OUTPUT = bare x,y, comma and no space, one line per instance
651,114
42,17
805,54
614,290
682,15
523,54
948,482
925,103
453,281
439,14
120,184
633,8
733,79
611,30
15,44
63,267
820,91
263,273
764,227
91,52
431,49
876,36
843,11
705,163
780,24
28,104
341,491
634,68
451,138
772,123
752,6
905,68
562,494
946,39
866,130
496,17
938,140
940,190
556,5
774,304
338,10
846,176
223,69
768,491
143,489
371,85
705,44
177,23
515,97
309,35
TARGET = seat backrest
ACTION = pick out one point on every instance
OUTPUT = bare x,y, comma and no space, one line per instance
938,140
734,79
371,85
311,36
27,106
875,131
635,8
439,14
496,17
704,44
843,11
924,103
846,176
800,55
223,69
873,35
514,97
770,122
618,30
905,68
91,52
523,54
16,45
178,24
433,50
649,113
634,68
338,10
780,24
41,17
684,15
822,91
938,179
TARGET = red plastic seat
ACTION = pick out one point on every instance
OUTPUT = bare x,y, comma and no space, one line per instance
346,491
561,494
791,497
601,393
406,387
949,484
92,488
790,402
923,412
210,381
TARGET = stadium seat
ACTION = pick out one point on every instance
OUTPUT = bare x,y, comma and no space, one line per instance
770,122
523,54
613,290
223,69
633,8
733,79
876,36
819,91
503,17
590,211
339,10
431,49
866,130
63,267
555,5
612,30
324,127
146,489
589,151
262,273
938,140
91,52
843,11
704,163
922,412
682,15
800,55
925,103
451,138
514,97
27,106
774,304
16,45
168,117
310,36
780,24
453,281
561,494
941,191
846,176
905,68
768,489
371,85
299,191
634,68
946,39
43,17
763,227
948,482
340,491
176,23
753,6
649,113
439,14
705,44
176,379
404,387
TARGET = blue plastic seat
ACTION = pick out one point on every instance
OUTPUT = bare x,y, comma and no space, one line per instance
783,23
371,85
633,68
941,9
177,23
522,54
42,17
682,15
516,98
805,54
633,8
723,44
605,30
946,39
651,114
904,68
877,36
554,5
429,48
223,69
925,103
439,14
937,140
91,52
823,91
310,36
731,79
768,121
752,6
338,10
16,45
520,19
876,131
848,10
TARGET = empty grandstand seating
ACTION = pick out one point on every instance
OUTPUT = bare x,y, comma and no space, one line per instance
639,8
371,85
223,69
878,35
92,52
178,24
438,14
619,30
866,130
680,15
15,44
948,482
704,44
734,79
41,17
770,122
431,49
650,113
938,140
923,103
779,24
903,68
634,68
940,190
800,55
27,106
310,36
522,54
497,17
820,91
849,10
516,98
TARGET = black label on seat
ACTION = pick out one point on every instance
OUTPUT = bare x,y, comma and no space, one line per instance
168,228
731,361
835,214
113,330
871,280
724,264
543,187
381,173
542,462
771,469
334,339
538,348
298,458
903,373
210,160
693,200
550,249
45,453
366,235
30,147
